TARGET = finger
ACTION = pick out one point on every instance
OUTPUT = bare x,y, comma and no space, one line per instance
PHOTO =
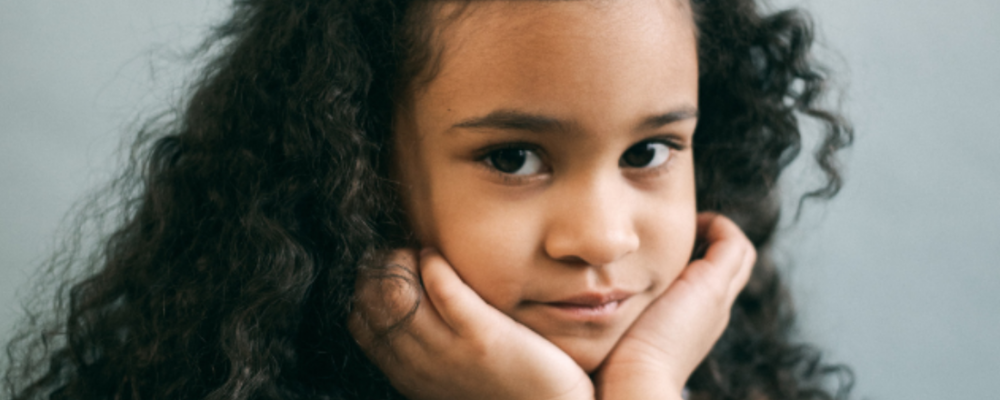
361,333
375,346
389,317
746,270
456,303
727,249
393,354
388,295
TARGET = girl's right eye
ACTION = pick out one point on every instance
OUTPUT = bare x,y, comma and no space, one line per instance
515,161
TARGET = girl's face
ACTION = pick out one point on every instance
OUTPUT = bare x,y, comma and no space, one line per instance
549,160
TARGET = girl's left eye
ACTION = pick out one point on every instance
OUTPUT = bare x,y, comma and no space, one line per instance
645,155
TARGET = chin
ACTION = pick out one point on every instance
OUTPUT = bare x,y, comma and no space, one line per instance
588,353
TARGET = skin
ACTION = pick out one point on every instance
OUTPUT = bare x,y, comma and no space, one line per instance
582,223
573,86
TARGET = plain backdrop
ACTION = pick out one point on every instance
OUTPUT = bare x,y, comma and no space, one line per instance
897,277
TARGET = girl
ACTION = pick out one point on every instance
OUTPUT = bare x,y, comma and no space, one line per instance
592,184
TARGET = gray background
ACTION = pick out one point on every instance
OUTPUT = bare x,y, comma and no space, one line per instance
897,277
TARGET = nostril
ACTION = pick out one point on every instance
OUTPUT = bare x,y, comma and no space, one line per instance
589,247
573,260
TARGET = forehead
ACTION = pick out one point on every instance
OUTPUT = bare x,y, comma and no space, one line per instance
535,33
559,56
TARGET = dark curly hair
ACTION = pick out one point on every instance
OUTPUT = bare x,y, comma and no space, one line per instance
246,218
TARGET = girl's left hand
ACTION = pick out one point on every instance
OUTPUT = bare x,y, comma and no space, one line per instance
663,347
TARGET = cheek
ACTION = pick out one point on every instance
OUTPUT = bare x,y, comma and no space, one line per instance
487,241
668,229
490,244
669,245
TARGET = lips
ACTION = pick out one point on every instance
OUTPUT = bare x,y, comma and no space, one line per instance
592,299
588,307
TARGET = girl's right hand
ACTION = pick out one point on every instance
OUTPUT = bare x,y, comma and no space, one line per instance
456,346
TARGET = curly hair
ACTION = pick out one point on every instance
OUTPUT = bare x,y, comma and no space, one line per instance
247,218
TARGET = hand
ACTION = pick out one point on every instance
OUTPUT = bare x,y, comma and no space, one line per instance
456,346
663,347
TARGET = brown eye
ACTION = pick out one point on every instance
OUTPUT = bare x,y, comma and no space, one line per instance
515,161
645,155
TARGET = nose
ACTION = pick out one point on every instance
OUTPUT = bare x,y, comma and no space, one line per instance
591,223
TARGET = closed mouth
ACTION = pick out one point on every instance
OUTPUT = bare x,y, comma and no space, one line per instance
592,299
591,306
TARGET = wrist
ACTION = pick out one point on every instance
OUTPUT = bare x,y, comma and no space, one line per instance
637,384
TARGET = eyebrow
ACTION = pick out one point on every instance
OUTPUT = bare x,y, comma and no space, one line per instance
515,120
658,121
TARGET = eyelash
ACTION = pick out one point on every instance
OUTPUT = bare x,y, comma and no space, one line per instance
675,146
483,155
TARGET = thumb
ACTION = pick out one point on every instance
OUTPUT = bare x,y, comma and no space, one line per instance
457,304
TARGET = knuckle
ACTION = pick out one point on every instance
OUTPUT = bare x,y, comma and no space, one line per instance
717,292
711,291
401,296
384,301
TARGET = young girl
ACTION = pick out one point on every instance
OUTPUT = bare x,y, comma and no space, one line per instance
441,200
